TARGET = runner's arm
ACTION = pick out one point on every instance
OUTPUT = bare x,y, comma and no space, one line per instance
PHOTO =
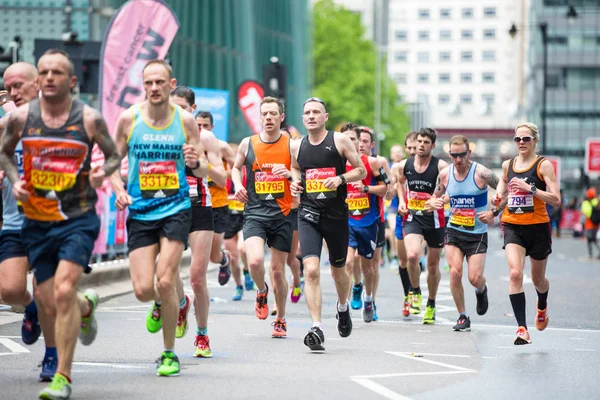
393,190
228,155
501,197
401,187
380,188
552,193
100,135
348,151
437,200
11,135
212,147
123,128
240,159
487,177
193,139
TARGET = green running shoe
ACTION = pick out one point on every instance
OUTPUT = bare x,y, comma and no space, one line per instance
429,317
168,365
89,327
153,318
58,389
415,304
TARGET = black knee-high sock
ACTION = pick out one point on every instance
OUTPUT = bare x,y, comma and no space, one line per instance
542,300
518,305
405,280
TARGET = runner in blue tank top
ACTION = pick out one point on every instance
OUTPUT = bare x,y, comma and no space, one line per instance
160,140
464,185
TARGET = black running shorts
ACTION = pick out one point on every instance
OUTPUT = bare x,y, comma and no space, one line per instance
146,233
468,243
536,239
202,219
236,224
277,232
221,219
381,235
335,232
434,237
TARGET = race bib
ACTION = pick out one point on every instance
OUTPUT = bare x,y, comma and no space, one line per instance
416,200
54,173
158,179
268,186
358,202
193,184
235,205
519,202
315,189
463,218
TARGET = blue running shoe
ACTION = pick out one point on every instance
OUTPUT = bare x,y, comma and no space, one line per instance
375,316
248,282
49,366
30,329
356,302
239,292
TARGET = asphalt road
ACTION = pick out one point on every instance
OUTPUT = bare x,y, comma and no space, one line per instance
394,358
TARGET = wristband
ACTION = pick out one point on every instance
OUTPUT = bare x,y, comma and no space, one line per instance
198,165
343,178
496,212
209,166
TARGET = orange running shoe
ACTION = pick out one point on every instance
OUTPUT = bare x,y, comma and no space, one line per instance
522,336
406,307
279,329
202,344
261,307
542,319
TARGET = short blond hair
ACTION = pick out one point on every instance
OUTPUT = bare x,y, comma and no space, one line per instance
459,139
532,127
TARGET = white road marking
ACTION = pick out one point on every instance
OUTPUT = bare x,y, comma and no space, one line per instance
118,366
443,321
590,350
425,360
13,346
379,389
134,319
8,354
488,358
431,354
577,338
403,374
505,347
250,334
419,343
423,331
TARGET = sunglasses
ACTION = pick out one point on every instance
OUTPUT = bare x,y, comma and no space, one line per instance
461,155
524,139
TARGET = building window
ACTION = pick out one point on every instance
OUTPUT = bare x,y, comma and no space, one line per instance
443,99
445,35
467,13
423,98
466,77
423,57
466,34
444,77
445,13
489,55
423,78
400,36
558,40
466,56
489,12
423,35
401,56
466,99
423,13
400,78
445,56
487,77
489,34
488,98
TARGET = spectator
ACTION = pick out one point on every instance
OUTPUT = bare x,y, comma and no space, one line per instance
591,229
556,215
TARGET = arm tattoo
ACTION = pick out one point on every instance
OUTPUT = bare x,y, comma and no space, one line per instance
107,145
490,178
10,138
440,188
502,205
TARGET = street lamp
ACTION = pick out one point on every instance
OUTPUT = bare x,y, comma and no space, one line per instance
571,16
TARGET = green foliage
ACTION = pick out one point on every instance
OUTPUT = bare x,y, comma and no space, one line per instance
344,74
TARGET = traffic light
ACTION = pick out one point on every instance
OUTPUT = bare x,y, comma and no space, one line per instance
274,79
10,55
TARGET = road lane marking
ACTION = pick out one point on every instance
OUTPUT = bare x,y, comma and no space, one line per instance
424,360
589,350
404,374
379,389
431,354
13,346
118,366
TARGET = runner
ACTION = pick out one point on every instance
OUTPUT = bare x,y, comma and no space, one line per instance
363,221
20,82
201,232
268,200
391,203
320,177
464,185
161,140
219,200
419,174
59,198
528,183
588,207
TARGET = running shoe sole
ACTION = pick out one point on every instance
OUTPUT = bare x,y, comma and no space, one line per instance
313,342
519,341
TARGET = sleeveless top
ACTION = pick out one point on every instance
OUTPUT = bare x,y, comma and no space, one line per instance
157,180
524,208
362,207
218,194
420,188
199,193
12,217
466,201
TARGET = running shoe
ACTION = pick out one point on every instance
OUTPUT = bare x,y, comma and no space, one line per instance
182,322
30,328
356,302
541,319
49,366
202,344
225,270
58,389
89,326
415,304
261,307
153,318
248,282
522,336
168,364
239,292
463,324
295,294
367,311
315,339
344,325
482,301
429,317
279,329
375,316
406,305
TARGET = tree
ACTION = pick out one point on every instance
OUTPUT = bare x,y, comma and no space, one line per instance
344,74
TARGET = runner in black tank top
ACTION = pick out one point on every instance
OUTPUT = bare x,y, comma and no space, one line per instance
319,174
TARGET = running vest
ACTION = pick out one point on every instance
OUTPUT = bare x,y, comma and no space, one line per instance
13,219
56,165
524,208
218,194
420,188
362,207
157,181
466,201
199,192
317,163
269,195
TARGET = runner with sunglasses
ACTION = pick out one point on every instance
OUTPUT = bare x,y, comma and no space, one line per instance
528,183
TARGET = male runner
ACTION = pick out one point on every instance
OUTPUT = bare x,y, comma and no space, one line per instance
363,221
161,140
201,232
59,198
320,177
20,80
419,174
464,185
268,200
528,183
